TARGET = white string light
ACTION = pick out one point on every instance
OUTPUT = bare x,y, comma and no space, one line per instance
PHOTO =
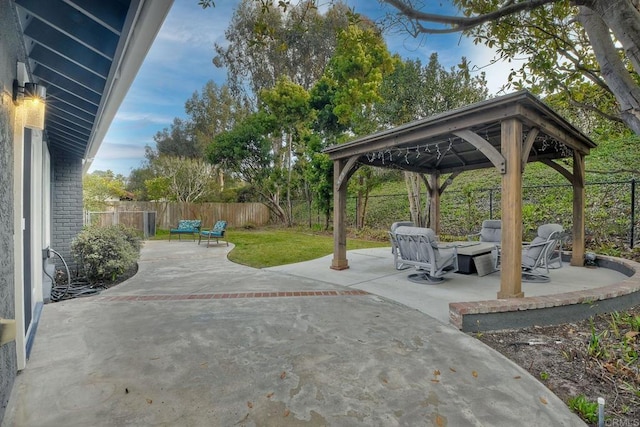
544,143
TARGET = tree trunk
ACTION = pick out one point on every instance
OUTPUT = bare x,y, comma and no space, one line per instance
623,18
327,215
613,70
359,204
221,179
412,181
289,206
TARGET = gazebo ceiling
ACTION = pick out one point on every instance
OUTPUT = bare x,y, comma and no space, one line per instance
467,138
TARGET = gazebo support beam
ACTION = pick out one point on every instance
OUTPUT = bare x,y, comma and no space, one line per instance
484,147
562,171
528,143
511,245
577,254
342,171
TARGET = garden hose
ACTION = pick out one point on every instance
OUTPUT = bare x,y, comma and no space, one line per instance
81,287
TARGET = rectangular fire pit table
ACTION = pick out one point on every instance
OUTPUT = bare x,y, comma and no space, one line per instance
475,257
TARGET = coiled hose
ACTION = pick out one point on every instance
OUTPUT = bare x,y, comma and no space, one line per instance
81,287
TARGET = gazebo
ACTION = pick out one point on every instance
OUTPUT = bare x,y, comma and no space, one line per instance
506,133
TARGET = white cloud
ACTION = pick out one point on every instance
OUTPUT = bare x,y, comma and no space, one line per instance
117,151
142,116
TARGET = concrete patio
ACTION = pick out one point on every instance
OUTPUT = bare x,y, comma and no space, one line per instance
371,270
196,340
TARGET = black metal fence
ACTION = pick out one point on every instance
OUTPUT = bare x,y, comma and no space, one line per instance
609,211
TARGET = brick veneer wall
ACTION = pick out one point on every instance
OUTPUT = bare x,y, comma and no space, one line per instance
66,204
10,52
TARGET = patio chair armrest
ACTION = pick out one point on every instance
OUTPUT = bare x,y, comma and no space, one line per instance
533,245
454,247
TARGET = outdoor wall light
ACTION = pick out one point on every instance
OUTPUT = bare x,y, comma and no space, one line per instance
30,99
30,91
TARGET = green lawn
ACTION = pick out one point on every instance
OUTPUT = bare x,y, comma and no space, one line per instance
268,247
271,247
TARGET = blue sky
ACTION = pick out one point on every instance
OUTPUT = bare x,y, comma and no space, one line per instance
180,63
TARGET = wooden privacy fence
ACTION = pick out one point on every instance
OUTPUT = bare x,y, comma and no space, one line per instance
144,221
168,213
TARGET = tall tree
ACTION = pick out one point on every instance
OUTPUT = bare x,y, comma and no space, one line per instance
354,75
265,43
345,96
185,180
213,110
177,141
136,181
246,152
565,43
99,187
288,104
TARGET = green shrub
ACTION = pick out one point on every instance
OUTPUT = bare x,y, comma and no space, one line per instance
133,236
104,253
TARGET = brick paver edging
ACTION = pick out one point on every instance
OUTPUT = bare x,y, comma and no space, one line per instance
629,287
230,295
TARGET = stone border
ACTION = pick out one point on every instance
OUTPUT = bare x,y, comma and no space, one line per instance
477,316
229,295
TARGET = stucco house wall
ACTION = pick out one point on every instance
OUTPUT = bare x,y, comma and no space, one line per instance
12,52
41,170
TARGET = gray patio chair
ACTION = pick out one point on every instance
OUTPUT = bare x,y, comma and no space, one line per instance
541,252
490,232
419,247
555,257
394,246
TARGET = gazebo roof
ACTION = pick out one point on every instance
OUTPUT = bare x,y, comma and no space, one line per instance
468,138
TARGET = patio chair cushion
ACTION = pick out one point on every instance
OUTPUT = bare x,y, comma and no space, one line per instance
395,225
491,231
420,252
187,226
545,230
394,244
531,254
419,231
216,232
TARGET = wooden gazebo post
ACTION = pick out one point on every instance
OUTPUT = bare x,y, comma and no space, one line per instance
342,170
511,246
